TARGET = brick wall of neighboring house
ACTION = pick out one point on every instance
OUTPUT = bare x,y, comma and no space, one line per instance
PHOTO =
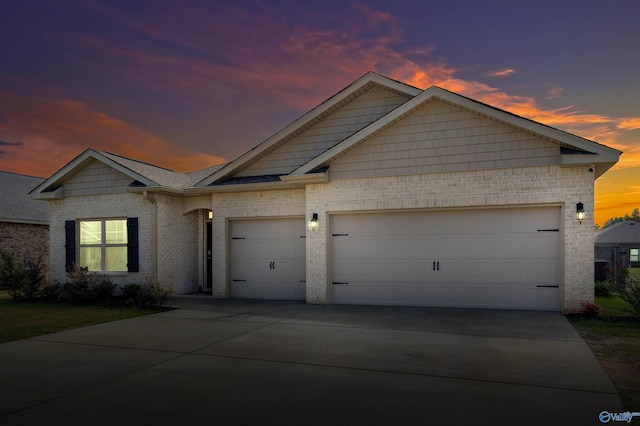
29,242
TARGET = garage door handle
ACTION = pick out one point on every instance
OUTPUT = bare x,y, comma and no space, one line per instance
548,286
438,265
239,281
340,282
434,266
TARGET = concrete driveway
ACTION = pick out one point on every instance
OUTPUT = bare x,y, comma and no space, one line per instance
286,363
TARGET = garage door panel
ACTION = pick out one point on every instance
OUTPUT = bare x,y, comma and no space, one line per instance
267,259
542,245
490,258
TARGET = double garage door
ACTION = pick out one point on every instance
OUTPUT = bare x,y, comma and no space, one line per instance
489,258
498,258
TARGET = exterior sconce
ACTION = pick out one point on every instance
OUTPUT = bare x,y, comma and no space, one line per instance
313,223
580,214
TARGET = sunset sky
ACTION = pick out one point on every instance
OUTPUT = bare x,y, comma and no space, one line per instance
190,84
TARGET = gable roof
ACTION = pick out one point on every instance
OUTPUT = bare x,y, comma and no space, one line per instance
16,205
312,117
143,175
627,232
577,150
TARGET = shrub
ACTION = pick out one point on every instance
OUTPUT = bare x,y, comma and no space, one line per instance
34,280
50,292
86,287
602,288
631,294
130,291
591,310
153,293
12,273
23,282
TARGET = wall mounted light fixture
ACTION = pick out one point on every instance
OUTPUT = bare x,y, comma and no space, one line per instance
313,223
580,214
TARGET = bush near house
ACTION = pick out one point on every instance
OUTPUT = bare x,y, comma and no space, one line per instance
631,294
83,287
23,280
150,293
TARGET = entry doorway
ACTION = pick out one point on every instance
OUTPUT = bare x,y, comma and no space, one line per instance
209,263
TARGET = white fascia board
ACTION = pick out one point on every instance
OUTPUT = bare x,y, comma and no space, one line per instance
57,194
156,190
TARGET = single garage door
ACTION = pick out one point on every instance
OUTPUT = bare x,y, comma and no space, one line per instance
268,259
488,258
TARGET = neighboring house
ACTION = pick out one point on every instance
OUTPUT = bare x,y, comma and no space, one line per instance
24,222
383,194
619,246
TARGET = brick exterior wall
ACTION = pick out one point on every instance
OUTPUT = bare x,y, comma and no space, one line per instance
548,185
29,242
172,243
101,207
179,258
168,240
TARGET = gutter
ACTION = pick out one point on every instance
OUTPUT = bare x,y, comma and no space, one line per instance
154,235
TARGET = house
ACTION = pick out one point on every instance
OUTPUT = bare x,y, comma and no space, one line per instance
24,222
618,246
383,194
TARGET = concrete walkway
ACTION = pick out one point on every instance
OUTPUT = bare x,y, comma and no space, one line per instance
286,363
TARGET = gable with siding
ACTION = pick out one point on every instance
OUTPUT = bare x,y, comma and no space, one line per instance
438,138
351,118
94,177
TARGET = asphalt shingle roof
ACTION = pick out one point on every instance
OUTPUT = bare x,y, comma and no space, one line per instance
621,233
16,205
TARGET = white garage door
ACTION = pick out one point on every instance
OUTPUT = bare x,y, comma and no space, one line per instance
498,258
268,259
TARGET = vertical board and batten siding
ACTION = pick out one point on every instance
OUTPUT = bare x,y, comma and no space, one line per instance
96,178
440,138
351,118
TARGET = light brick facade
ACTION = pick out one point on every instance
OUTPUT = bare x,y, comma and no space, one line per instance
170,242
533,186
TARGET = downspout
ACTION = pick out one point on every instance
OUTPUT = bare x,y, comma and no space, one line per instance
154,235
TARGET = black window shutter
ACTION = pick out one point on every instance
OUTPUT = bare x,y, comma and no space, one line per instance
133,258
69,244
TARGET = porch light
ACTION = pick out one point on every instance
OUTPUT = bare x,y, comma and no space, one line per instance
313,223
580,214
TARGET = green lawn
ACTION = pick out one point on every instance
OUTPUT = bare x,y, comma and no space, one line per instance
20,320
616,344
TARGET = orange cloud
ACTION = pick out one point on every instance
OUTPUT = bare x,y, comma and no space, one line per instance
501,73
46,133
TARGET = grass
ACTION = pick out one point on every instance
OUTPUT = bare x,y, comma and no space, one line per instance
615,340
20,320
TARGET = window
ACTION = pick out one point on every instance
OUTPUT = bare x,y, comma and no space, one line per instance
103,245
634,255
